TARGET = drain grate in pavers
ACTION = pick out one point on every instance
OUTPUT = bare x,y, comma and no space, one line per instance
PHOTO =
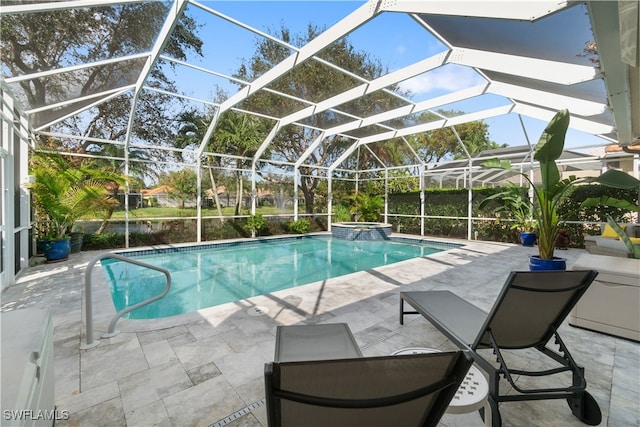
384,337
242,412
257,311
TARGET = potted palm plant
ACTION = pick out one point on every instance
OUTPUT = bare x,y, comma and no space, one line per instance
552,189
517,206
62,194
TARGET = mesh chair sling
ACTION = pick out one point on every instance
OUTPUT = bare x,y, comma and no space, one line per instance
527,314
412,390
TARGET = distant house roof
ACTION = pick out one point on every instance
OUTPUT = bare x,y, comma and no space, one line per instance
223,190
163,189
634,149
519,155
516,155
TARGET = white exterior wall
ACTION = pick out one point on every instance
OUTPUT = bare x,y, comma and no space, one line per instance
14,200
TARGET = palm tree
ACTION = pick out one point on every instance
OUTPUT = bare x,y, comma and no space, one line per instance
194,127
111,163
140,165
238,134
63,193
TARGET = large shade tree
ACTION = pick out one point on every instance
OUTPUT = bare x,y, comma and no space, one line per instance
314,82
39,42
442,144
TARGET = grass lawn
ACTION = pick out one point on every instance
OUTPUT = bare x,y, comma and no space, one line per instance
165,212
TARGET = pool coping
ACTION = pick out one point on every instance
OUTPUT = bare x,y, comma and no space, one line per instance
187,247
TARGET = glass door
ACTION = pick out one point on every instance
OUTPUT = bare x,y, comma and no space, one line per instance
5,164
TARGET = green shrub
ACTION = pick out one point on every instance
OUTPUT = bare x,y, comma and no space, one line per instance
366,207
255,224
341,214
275,227
496,231
102,241
443,226
407,225
214,229
571,208
300,226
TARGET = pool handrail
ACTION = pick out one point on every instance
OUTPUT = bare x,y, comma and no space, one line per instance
111,332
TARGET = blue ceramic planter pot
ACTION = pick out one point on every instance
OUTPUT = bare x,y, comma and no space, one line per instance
56,250
527,239
538,264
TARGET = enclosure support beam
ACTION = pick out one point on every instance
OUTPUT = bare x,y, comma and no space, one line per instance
254,190
386,195
163,38
470,202
422,178
296,183
469,185
329,201
199,199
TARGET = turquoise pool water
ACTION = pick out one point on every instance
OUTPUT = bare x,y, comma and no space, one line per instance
204,276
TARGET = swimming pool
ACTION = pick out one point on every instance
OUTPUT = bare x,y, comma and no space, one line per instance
214,274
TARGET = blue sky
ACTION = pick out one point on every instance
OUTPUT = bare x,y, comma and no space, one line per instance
395,39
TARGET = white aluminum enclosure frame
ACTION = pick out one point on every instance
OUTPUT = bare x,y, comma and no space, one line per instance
526,82
540,69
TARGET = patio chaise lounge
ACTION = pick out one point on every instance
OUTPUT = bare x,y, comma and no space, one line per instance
526,315
301,390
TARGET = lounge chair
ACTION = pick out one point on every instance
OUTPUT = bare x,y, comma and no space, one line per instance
527,314
410,390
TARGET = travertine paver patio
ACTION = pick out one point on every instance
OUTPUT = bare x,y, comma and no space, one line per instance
206,368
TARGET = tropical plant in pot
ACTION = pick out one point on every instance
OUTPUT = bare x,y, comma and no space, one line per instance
63,193
514,202
552,190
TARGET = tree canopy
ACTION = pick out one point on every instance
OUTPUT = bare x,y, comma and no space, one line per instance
314,82
90,35
32,43
442,144
182,185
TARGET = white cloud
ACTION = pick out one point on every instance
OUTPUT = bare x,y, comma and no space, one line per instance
449,79
401,49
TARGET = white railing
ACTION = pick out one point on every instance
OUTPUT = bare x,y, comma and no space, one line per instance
90,341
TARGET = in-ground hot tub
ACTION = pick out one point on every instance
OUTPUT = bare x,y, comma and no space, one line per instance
361,230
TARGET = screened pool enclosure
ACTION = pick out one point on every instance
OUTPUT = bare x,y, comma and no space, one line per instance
296,104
